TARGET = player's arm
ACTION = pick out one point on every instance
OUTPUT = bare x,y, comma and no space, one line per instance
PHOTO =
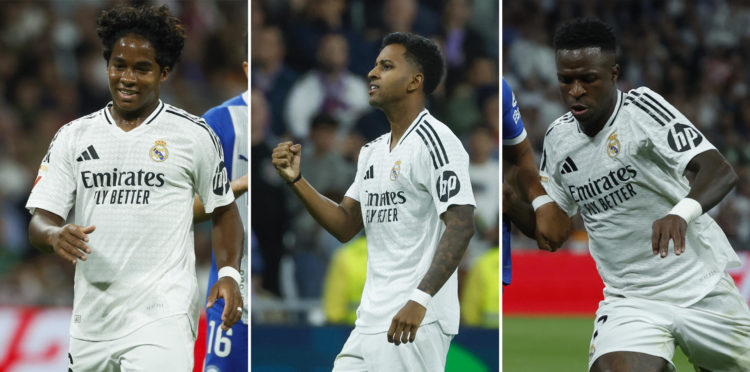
343,220
227,235
551,223
714,178
239,187
459,228
47,233
520,212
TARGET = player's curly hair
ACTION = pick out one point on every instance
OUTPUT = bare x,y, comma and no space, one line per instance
582,33
156,24
424,53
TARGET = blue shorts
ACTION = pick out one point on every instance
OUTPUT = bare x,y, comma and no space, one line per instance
225,351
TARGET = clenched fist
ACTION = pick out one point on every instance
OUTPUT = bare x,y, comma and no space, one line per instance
286,158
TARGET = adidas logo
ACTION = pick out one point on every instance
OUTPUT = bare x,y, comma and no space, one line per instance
569,166
88,154
370,173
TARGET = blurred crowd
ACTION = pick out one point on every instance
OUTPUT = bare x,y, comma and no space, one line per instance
51,72
309,66
694,53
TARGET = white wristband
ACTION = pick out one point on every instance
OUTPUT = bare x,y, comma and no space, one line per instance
420,297
540,201
230,272
688,209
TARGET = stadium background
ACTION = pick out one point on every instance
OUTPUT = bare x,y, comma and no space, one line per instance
309,62
694,53
51,72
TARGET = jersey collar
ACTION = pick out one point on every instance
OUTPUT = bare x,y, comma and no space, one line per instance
150,119
616,111
422,114
611,120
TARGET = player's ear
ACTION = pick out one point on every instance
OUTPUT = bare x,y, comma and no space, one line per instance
415,82
615,72
164,74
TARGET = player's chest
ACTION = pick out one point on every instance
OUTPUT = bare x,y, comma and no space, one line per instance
390,179
146,160
584,158
602,174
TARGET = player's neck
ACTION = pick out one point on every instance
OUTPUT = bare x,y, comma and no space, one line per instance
129,120
596,125
400,117
592,129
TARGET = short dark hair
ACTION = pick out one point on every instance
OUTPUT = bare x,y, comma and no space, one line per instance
156,24
582,33
424,53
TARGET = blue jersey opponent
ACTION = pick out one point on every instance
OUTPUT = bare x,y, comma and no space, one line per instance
513,133
227,351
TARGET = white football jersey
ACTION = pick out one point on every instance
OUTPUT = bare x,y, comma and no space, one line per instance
402,194
622,180
137,188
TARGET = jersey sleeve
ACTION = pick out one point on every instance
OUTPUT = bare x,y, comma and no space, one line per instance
552,181
445,164
55,185
673,138
513,129
219,119
210,172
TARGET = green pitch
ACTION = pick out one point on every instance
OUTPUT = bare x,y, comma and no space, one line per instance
558,344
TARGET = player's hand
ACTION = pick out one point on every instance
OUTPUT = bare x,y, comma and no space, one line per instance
69,242
668,227
286,158
405,324
228,289
552,227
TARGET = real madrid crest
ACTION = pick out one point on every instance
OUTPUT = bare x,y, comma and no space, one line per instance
613,146
159,152
395,170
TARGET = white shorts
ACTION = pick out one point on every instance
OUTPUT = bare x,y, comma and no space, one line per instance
373,352
163,345
714,332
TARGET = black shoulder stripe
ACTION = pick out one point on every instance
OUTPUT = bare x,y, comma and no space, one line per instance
434,163
211,133
654,109
553,126
664,109
437,138
412,128
633,101
433,148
